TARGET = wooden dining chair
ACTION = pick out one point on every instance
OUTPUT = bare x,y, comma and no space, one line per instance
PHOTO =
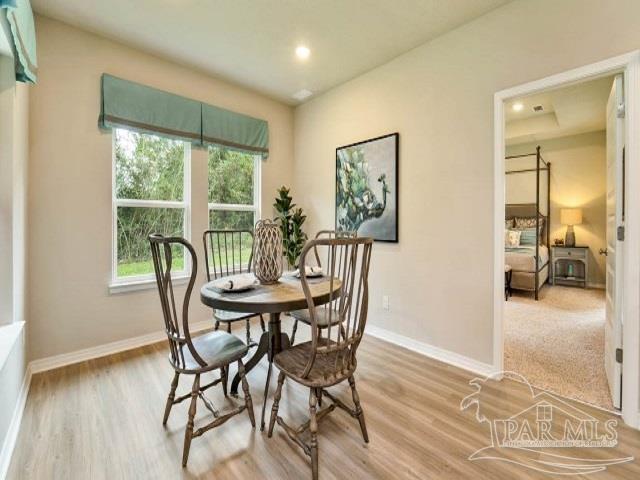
194,356
224,255
322,312
330,359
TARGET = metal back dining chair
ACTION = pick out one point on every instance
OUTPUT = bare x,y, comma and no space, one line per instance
188,355
229,252
321,255
329,359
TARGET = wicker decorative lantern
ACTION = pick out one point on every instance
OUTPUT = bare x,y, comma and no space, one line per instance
267,252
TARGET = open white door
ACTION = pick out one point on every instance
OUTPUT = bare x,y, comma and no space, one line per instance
615,236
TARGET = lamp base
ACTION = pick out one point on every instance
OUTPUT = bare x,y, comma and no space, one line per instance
570,237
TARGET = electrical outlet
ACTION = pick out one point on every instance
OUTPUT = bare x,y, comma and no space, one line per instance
385,302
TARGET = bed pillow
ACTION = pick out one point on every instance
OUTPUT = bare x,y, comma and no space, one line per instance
528,236
520,223
512,238
508,223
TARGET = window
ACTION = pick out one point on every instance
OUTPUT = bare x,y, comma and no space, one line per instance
234,189
150,194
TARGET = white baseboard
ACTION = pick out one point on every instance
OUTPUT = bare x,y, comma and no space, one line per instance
64,359
431,351
14,427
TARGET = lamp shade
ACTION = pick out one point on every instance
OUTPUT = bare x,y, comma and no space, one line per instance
571,216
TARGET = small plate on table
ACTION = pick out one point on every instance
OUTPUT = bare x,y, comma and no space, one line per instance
310,272
235,283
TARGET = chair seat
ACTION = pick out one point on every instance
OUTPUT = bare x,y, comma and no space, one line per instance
217,349
227,316
326,367
322,316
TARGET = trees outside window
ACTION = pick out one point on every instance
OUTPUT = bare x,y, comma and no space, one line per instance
150,194
234,190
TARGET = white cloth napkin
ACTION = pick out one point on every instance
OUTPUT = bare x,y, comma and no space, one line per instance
309,272
236,282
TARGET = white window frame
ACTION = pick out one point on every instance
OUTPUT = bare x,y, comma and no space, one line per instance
235,207
141,282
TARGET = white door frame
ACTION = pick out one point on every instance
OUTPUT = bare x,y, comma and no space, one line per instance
629,65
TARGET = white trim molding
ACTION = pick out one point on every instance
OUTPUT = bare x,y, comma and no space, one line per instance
128,286
437,353
9,334
11,437
629,65
64,359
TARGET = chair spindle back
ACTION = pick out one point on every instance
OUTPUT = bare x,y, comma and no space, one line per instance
227,252
348,262
177,332
331,234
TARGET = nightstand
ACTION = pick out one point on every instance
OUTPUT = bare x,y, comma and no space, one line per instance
570,265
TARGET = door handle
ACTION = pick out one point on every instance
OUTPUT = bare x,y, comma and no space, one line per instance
603,251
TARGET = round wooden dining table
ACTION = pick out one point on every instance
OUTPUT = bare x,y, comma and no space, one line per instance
284,296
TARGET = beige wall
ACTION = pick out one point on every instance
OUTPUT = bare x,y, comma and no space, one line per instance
439,96
578,180
70,185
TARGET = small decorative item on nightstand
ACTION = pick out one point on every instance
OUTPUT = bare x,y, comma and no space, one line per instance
570,265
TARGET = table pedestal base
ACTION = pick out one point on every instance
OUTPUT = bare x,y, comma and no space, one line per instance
271,342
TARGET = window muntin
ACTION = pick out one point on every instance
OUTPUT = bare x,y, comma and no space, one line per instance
150,194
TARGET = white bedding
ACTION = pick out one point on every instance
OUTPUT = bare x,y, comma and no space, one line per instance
522,258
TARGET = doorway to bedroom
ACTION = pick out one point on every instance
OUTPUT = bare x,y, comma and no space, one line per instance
563,209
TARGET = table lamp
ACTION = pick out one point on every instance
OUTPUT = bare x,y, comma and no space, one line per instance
570,217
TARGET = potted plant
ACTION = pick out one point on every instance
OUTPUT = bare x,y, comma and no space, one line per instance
291,220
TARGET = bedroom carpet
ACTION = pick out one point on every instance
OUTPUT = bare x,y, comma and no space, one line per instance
557,343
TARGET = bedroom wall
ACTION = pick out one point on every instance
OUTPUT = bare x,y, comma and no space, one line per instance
578,180
70,186
439,96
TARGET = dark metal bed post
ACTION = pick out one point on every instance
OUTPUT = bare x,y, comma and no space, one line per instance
537,266
546,167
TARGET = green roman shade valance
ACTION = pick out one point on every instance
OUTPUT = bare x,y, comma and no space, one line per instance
20,18
131,105
233,130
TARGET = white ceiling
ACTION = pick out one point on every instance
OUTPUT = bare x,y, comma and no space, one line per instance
252,42
566,111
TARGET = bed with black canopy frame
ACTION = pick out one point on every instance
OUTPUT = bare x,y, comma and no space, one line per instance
530,263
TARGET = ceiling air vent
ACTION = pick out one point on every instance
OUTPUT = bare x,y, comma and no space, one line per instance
538,108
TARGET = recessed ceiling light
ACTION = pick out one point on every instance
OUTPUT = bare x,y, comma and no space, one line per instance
302,94
303,52
517,107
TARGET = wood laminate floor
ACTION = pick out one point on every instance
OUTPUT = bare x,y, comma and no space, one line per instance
102,419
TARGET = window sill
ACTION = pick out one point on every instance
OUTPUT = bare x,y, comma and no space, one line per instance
116,288
9,334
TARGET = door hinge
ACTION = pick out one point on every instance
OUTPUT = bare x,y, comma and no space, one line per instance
620,110
621,233
619,355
